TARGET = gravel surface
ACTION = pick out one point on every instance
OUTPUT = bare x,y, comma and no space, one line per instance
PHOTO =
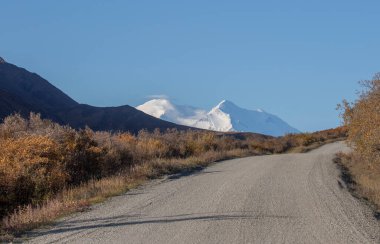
290,198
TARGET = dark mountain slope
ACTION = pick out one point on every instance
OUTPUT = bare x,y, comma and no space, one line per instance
32,88
123,118
23,92
10,103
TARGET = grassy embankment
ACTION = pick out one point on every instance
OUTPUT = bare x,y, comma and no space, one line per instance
362,118
48,170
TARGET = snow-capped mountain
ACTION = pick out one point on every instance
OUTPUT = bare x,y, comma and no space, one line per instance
226,116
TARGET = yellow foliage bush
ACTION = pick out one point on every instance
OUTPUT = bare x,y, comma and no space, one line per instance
30,170
363,121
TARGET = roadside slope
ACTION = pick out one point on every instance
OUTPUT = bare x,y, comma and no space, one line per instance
292,198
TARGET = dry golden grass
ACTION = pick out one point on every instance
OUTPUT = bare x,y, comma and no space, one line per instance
69,200
365,177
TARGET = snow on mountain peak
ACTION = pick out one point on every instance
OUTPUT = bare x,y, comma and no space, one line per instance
156,107
226,116
225,104
221,103
179,114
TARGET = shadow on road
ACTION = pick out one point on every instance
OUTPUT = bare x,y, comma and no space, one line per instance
130,220
194,172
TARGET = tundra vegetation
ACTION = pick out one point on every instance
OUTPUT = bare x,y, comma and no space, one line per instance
362,119
48,170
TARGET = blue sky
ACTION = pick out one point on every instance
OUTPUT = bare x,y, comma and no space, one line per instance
296,59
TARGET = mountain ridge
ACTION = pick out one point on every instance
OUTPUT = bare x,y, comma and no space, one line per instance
23,92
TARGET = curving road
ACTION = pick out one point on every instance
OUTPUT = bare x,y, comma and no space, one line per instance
292,198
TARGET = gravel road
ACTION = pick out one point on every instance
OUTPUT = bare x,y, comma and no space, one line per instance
290,198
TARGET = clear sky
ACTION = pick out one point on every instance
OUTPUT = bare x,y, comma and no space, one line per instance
295,59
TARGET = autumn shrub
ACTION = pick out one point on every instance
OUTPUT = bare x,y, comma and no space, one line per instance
30,170
362,119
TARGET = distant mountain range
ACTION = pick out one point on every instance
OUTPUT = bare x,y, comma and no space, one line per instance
225,117
23,92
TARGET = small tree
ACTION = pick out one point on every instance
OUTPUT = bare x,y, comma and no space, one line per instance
363,121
